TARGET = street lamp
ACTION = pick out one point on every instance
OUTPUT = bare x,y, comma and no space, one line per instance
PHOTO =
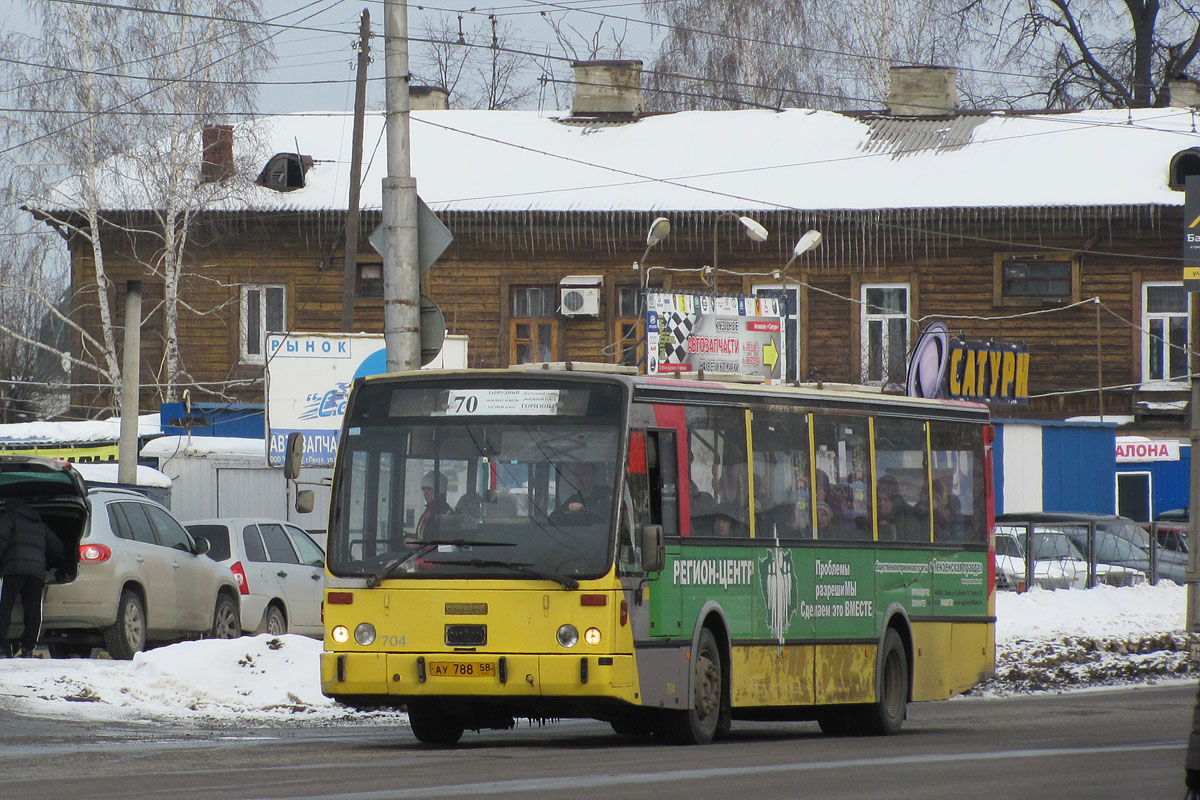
807,242
754,231
659,229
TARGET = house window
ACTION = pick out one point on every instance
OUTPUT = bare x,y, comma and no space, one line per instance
369,279
532,328
884,332
1164,331
629,348
264,310
1024,280
790,295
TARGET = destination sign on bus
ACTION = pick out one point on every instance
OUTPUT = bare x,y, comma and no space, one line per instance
507,402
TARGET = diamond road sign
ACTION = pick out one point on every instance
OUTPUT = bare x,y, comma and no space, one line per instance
432,237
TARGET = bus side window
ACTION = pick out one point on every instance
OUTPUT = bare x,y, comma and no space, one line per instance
960,513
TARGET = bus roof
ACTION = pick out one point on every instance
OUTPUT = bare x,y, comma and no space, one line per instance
704,387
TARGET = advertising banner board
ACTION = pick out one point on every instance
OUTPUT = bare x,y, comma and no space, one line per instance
75,453
308,384
1191,233
731,334
987,372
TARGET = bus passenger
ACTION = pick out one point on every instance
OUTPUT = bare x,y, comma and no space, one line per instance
947,512
710,518
433,486
897,522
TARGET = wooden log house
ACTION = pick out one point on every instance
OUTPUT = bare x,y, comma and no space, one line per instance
1061,231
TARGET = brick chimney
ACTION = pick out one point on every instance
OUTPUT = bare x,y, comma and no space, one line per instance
428,98
1183,92
216,162
922,91
607,89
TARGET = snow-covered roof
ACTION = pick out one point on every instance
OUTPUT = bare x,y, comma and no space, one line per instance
103,430
715,160
108,473
171,446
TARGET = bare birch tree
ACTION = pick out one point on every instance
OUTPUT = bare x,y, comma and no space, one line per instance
726,54
117,100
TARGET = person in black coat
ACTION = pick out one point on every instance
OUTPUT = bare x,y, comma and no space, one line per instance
26,542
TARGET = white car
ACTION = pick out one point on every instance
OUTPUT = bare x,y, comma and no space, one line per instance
279,569
1057,563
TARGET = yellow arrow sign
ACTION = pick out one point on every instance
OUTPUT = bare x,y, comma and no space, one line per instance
770,354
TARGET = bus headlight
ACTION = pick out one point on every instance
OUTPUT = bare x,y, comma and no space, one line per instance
340,634
592,636
568,635
364,634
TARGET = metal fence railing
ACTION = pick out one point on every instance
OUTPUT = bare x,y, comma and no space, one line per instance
1075,554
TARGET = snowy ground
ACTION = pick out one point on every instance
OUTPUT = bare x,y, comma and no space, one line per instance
1044,641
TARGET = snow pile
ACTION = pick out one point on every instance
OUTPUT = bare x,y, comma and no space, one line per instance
1045,640
1068,639
259,680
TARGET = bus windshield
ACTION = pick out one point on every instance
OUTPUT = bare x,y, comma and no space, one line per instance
477,480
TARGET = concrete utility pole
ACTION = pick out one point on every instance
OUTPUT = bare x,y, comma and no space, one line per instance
127,457
401,276
350,271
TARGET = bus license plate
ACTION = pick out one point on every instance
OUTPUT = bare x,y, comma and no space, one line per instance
462,669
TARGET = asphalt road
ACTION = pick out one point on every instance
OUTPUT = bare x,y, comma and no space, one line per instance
1099,744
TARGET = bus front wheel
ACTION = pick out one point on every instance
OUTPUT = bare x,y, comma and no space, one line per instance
698,724
432,725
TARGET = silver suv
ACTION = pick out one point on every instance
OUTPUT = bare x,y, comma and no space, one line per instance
140,578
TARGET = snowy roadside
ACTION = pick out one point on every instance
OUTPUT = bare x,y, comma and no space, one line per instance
1072,639
1058,641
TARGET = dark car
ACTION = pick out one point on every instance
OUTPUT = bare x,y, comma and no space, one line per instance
58,494
1114,539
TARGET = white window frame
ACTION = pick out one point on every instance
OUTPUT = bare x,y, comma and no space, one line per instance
244,333
866,318
1148,375
792,291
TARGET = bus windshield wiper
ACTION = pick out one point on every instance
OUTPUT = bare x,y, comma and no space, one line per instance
565,581
390,568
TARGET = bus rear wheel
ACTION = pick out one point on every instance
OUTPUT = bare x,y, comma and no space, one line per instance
698,724
432,725
886,715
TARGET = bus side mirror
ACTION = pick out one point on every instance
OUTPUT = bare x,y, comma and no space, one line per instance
653,552
304,501
293,455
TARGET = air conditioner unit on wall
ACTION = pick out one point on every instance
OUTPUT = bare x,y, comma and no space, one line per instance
579,295
580,302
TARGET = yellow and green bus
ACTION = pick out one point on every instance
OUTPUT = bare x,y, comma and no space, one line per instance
666,555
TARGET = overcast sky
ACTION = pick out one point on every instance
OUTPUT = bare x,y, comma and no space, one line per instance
315,58
307,55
